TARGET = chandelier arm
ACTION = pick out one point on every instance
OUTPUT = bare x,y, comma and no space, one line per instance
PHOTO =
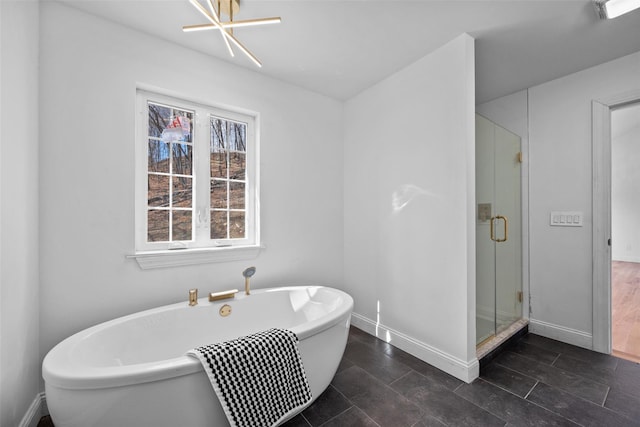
234,24
246,51
215,14
215,21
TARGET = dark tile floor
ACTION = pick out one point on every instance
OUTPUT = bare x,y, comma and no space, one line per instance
535,382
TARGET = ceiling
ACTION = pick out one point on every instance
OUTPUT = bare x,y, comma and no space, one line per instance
339,48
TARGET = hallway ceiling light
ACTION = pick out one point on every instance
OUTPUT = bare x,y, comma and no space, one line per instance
230,8
609,9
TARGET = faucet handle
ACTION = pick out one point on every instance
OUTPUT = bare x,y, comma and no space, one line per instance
193,297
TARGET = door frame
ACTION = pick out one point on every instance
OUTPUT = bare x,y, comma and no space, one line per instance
601,200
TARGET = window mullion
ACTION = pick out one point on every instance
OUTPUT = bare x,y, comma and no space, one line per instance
170,192
202,182
227,157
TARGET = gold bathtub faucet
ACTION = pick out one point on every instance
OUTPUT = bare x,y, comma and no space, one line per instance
216,296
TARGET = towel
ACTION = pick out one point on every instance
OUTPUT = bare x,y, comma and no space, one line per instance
259,379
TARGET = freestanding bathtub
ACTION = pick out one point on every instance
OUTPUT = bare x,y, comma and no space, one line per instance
133,371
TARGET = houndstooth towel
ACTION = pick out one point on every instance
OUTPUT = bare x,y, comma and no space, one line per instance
259,379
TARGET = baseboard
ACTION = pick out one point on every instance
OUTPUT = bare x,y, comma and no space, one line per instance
35,412
561,333
452,365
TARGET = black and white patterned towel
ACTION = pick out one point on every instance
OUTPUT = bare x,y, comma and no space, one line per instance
259,379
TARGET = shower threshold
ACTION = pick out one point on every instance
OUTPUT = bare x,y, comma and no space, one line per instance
490,347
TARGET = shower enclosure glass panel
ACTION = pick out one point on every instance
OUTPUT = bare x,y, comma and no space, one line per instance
498,229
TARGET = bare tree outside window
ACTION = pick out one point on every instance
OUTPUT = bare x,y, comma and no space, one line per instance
169,174
196,178
228,178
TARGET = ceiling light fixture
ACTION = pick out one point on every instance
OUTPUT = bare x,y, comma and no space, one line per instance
230,8
609,9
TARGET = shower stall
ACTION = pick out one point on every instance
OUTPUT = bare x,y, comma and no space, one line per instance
498,230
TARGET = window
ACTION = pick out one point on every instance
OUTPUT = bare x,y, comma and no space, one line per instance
196,176
228,178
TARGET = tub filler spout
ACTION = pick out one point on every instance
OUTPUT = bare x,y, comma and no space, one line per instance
217,296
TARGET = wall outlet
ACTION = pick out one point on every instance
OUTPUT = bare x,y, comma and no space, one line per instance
566,218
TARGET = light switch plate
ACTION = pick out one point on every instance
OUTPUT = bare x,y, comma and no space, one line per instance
566,218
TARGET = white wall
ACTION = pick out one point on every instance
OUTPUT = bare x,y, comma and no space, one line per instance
89,71
409,227
625,191
19,295
560,165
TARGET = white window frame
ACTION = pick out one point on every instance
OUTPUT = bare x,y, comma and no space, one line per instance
201,248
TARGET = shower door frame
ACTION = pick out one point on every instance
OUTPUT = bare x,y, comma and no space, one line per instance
523,133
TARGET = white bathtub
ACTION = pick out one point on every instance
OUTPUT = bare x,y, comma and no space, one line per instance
133,371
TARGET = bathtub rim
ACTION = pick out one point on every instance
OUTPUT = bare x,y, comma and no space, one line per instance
87,377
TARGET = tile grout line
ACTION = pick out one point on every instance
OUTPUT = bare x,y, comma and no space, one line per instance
456,389
501,387
487,410
367,415
341,394
353,405
560,351
534,386
515,371
345,398
305,418
401,377
530,357
335,416
617,363
566,372
606,395
579,398
544,408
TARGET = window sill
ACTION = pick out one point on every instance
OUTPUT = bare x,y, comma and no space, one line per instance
182,257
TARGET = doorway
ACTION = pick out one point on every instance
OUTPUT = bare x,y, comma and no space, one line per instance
498,229
601,231
625,232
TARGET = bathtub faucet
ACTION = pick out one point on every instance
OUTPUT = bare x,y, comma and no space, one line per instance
247,274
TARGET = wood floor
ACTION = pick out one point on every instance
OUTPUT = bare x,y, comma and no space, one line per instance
625,309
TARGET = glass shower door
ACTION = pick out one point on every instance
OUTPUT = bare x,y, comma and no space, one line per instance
498,229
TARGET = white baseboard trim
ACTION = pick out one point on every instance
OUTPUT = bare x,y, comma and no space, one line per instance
35,411
452,365
561,333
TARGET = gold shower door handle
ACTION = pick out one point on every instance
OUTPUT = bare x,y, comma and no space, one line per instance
506,228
